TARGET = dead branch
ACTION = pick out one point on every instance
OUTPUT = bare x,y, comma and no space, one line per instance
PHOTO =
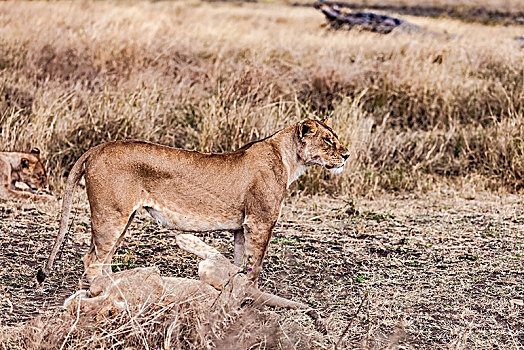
131,290
364,20
217,271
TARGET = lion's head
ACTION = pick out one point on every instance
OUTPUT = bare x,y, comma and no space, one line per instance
32,172
320,145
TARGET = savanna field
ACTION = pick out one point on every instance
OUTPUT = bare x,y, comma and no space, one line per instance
418,244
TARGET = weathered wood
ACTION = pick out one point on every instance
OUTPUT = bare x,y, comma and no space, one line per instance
364,20
217,271
131,290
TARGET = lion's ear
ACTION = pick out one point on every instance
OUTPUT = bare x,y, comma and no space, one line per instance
326,121
24,163
306,128
35,151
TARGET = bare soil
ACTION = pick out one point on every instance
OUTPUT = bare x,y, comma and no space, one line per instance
430,271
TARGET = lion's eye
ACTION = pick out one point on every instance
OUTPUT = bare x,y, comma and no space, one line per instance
328,141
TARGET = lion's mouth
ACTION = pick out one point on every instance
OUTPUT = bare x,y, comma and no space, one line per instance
335,169
334,166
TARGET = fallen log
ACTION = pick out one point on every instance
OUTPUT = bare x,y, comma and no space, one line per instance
218,272
221,283
382,24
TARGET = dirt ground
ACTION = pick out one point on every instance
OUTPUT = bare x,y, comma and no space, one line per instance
430,272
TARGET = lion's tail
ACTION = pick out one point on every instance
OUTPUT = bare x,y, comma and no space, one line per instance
74,177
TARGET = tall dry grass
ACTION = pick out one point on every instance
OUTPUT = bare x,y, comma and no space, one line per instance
415,110
190,326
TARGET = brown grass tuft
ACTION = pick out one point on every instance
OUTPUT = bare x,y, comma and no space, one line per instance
414,109
189,325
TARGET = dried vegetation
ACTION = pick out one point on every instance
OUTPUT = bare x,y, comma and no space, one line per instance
432,272
420,112
211,77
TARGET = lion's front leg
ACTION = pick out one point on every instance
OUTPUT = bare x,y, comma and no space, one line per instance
7,193
239,246
261,213
257,238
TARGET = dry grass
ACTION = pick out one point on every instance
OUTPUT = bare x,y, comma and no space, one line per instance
188,325
414,109
439,271
420,113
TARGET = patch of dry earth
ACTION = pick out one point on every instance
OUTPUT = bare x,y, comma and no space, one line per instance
431,271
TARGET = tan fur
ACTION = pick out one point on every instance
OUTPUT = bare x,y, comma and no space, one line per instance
132,289
25,168
241,191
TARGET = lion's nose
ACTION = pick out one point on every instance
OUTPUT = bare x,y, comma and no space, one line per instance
345,156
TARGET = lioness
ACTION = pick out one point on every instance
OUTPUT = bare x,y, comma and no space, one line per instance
241,191
26,168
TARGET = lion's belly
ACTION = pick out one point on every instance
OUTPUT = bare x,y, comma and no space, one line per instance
194,221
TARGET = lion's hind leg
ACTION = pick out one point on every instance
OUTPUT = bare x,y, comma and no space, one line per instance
107,234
